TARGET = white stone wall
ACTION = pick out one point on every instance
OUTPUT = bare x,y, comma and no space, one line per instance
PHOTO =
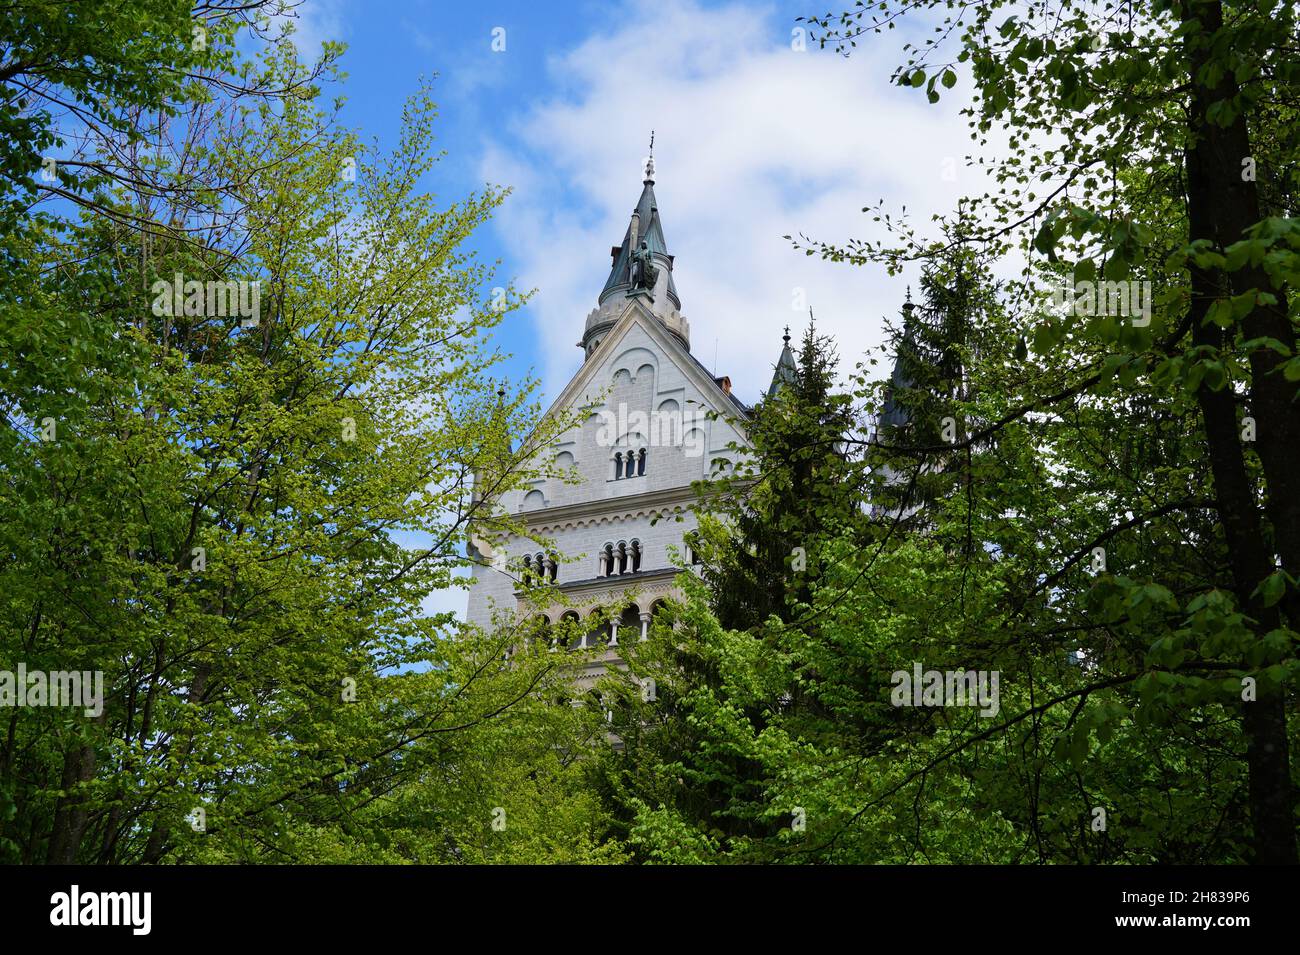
644,388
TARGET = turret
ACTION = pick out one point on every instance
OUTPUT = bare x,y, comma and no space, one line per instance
641,268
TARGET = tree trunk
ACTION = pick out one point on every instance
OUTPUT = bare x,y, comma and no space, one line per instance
1221,205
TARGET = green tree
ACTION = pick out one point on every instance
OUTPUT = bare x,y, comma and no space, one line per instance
688,763
1177,113
224,526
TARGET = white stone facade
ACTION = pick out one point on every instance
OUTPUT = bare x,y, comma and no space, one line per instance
638,391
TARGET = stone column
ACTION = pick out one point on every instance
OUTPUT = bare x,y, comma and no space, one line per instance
645,624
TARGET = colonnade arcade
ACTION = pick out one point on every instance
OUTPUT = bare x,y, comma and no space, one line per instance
602,631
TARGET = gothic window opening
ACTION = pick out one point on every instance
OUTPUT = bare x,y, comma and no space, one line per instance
598,635
629,464
542,623
627,628
568,620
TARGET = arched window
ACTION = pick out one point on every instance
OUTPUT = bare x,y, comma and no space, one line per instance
598,631
568,620
542,623
640,463
552,568
607,561
622,557
636,556
618,465
631,465
627,627
528,564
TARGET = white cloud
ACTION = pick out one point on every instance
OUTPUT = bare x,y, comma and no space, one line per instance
316,21
455,599
753,141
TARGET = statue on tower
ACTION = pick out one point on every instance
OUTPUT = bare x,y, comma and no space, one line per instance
643,274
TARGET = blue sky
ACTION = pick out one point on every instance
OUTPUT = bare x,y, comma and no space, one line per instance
754,139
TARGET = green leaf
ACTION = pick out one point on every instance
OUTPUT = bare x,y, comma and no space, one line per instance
1272,588
1220,313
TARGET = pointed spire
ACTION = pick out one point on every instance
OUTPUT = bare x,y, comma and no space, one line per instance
499,415
894,415
786,369
644,227
641,271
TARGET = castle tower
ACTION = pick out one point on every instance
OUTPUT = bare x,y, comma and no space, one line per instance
644,434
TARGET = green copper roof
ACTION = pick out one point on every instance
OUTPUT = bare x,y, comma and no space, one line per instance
652,233
785,368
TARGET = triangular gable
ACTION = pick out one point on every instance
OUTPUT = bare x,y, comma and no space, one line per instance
636,313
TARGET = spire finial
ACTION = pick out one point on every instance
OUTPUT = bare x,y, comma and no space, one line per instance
786,337
650,159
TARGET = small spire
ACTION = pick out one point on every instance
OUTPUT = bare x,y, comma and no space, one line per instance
650,160
908,306
786,370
